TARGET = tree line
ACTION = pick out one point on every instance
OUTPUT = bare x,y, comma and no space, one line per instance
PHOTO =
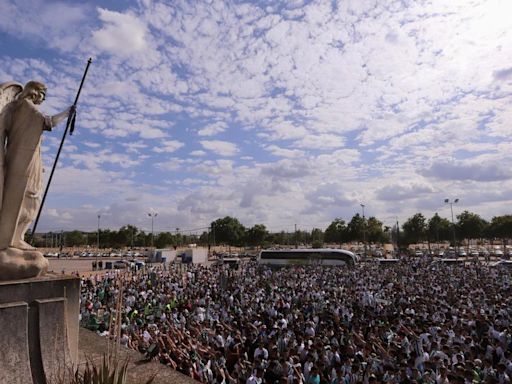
419,229
230,231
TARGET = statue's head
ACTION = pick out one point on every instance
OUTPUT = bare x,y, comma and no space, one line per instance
35,91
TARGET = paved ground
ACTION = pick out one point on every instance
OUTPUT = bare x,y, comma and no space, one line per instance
82,265
92,347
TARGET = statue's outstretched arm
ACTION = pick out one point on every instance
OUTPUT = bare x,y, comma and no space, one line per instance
56,119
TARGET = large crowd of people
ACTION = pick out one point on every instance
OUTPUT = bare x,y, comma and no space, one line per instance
412,322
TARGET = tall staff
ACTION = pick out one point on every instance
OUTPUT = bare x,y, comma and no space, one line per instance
70,126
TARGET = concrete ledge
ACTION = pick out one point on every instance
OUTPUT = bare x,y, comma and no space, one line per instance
14,355
53,340
44,326
93,346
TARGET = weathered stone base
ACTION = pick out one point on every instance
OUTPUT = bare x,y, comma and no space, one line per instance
21,264
38,328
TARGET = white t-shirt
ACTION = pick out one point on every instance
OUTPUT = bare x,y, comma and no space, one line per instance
261,352
254,380
146,336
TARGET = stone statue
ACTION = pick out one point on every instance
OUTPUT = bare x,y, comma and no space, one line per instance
21,180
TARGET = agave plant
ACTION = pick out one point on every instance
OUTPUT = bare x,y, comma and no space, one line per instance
109,371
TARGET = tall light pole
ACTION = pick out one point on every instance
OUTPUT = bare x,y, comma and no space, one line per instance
98,241
296,238
152,215
447,201
98,234
364,231
397,236
177,237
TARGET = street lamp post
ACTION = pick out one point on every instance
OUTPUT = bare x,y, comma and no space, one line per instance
296,238
98,234
447,201
98,241
152,215
364,232
178,245
397,237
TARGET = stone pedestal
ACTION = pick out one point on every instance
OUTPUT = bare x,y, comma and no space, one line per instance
38,328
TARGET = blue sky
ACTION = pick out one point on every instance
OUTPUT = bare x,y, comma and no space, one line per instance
279,113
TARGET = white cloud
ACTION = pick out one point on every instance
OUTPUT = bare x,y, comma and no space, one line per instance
168,146
99,158
402,191
321,142
61,217
221,148
190,181
287,169
172,164
134,147
122,34
284,152
479,171
60,25
213,129
198,153
92,144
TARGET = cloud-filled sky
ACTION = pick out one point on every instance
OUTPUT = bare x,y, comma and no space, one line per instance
280,113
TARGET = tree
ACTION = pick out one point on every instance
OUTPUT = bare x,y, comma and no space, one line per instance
355,228
228,230
470,225
438,229
75,239
142,239
121,238
256,235
374,231
414,229
500,227
301,237
317,238
105,236
205,238
126,235
387,234
280,238
336,232
164,240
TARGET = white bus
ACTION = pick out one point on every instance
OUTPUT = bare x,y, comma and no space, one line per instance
322,256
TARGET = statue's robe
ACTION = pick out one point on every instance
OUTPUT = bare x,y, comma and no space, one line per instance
23,124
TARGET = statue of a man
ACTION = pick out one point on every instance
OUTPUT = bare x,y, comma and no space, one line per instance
21,126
